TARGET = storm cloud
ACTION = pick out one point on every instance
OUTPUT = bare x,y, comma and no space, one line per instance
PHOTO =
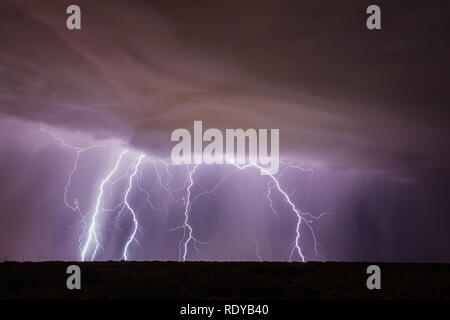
369,106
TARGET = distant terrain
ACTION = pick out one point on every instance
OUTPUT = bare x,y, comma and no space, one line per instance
223,280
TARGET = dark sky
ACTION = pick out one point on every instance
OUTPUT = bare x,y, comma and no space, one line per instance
369,107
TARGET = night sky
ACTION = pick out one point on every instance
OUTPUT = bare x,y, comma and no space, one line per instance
367,110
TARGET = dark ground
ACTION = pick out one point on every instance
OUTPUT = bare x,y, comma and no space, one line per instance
223,280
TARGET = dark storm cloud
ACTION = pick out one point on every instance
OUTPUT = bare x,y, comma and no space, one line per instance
370,106
138,70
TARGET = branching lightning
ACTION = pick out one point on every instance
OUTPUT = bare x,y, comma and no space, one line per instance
130,209
186,227
74,206
296,246
134,175
92,233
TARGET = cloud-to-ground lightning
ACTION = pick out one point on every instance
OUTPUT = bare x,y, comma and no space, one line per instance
307,217
134,175
189,200
299,214
187,229
274,183
257,249
92,232
130,209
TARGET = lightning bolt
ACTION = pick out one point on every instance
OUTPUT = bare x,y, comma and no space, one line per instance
130,209
168,188
189,200
273,183
268,197
276,184
135,175
257,249
147,194
187,229
307,217
74,206
92,233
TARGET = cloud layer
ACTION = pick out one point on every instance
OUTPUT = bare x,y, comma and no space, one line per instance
136,71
